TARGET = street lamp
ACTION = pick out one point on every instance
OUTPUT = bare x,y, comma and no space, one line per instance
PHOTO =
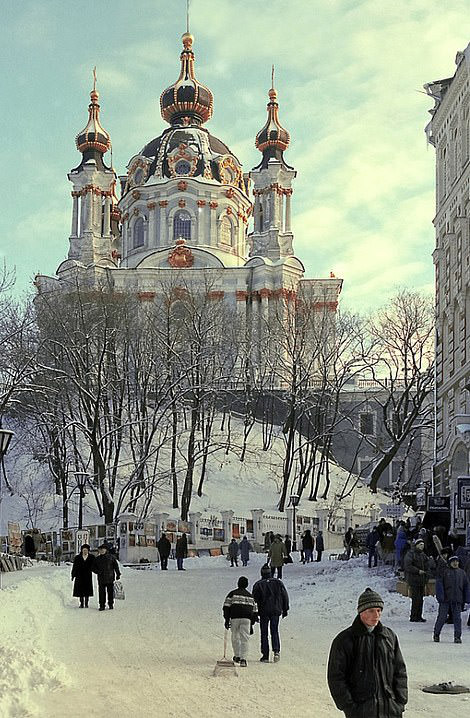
294,499
81,477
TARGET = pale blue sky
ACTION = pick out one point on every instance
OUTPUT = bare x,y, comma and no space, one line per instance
346,74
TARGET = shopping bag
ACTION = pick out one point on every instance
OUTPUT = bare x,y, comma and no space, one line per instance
119,591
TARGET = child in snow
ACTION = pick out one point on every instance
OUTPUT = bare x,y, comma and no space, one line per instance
240,613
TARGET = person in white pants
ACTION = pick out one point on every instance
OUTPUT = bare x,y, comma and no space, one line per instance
240,613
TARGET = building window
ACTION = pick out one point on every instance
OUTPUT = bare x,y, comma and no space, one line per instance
182,226
138,233
366,423
226,231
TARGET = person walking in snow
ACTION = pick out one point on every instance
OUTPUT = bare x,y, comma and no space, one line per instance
319,545
373,538
181,551
307,546
106,567
417,567
401,541
277,553
273,602
348,542
240,613
233,552
245,548
82,575
164,548
366,671
452,593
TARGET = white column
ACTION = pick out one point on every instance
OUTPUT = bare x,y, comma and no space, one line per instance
152,235
107,217
163,224
75,215
89,210
287,222
257,515
194,517
227,517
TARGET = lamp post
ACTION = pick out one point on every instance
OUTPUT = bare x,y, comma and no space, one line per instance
294,499
81,477
5,438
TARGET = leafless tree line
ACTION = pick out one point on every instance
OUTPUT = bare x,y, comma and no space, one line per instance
139,391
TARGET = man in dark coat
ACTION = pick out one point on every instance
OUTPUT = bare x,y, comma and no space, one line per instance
319,545
181,551
107,569
417,568
82,573
452,592
233,552
245,548
164,548
273,602
373,538
307,546
366,671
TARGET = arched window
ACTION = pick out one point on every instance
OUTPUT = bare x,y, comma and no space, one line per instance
182,225
226,231
138,233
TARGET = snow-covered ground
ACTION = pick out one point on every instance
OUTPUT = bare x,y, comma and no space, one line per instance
155,653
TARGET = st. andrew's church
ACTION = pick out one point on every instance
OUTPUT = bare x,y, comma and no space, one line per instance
187,207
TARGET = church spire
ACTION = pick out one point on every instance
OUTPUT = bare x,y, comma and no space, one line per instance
187,101
272,139
93,137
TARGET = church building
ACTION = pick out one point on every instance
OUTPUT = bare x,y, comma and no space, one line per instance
187,206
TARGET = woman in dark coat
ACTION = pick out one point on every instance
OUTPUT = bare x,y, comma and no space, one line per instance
82,573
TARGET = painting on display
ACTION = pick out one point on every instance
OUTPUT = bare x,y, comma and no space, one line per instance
183,527
150,541
123,528
219,534
131,539
171,525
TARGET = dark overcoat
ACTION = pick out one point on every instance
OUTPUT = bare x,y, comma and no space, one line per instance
164,547
82,573
366,672
181,548
107,568
319,543
414,562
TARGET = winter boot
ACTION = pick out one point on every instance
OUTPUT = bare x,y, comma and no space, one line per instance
457,639
436,638
242,663
277,656
264,659
236,659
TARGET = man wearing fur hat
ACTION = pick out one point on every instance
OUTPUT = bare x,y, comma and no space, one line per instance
366,671
417,567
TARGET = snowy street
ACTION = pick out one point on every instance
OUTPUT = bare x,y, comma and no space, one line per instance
155,653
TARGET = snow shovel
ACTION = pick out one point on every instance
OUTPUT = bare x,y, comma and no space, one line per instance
225,667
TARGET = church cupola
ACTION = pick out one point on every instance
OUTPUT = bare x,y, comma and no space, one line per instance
272,139
186,102
93,138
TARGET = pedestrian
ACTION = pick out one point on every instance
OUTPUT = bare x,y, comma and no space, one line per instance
417,567
307,546
319,545
373,538
273,602
233,552
106,567
164,548
452,593
245,548
288,545
366,671
240,613
277,554
401,541
348,541
57,554
82,575
181,551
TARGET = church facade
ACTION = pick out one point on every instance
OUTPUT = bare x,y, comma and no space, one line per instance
186,206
